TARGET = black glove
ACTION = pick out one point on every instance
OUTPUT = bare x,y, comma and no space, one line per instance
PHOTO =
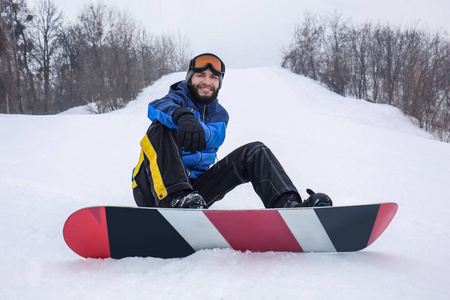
191,134
318,199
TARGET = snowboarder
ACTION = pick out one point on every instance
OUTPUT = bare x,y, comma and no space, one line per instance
176,166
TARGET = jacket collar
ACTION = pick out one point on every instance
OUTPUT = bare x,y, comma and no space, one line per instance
182,87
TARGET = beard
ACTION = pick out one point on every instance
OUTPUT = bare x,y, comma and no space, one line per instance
202,99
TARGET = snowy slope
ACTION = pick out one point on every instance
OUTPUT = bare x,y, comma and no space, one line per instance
355,151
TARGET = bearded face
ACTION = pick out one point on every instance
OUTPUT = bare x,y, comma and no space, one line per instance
204,86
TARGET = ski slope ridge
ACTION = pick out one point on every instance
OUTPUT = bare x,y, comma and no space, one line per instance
355,151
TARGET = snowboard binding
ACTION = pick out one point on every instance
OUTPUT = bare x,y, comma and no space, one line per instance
318,199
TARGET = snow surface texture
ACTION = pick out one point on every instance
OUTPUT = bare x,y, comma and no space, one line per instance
356,152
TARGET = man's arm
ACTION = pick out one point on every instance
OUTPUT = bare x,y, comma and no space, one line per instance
162,110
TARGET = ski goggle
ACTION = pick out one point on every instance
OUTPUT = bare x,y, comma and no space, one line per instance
208,60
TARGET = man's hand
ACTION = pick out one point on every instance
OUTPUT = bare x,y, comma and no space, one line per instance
191,134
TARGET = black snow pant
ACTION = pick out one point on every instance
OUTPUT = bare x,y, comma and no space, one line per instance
160,171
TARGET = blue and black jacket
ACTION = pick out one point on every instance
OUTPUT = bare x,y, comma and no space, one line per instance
213,117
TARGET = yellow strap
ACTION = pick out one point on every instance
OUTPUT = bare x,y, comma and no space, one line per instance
156,174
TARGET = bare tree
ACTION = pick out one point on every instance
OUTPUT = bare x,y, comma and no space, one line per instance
7,74
305,55
12,18
182,52
392,44
337,48
47,26
360,43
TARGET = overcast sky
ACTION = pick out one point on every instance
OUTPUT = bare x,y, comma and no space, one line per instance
251,33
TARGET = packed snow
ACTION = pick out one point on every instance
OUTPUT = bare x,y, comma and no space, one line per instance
355,151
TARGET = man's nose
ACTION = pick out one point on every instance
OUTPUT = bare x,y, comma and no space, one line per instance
207,80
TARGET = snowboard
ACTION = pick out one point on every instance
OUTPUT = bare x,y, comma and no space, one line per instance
118,232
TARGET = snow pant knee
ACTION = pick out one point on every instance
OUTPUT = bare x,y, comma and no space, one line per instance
266,174
160,171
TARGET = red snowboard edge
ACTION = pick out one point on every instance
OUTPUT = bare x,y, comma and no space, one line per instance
385,215
86,233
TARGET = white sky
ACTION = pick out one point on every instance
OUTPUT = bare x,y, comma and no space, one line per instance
251,33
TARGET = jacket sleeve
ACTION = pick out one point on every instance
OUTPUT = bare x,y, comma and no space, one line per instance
215,134
216,129
162,110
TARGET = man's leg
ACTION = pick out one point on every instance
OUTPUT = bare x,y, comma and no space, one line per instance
253,163
160,171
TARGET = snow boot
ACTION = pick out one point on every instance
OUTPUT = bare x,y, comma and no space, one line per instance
291,199
191,200
317,199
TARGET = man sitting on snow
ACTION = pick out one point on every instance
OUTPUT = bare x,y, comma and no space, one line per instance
176,166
